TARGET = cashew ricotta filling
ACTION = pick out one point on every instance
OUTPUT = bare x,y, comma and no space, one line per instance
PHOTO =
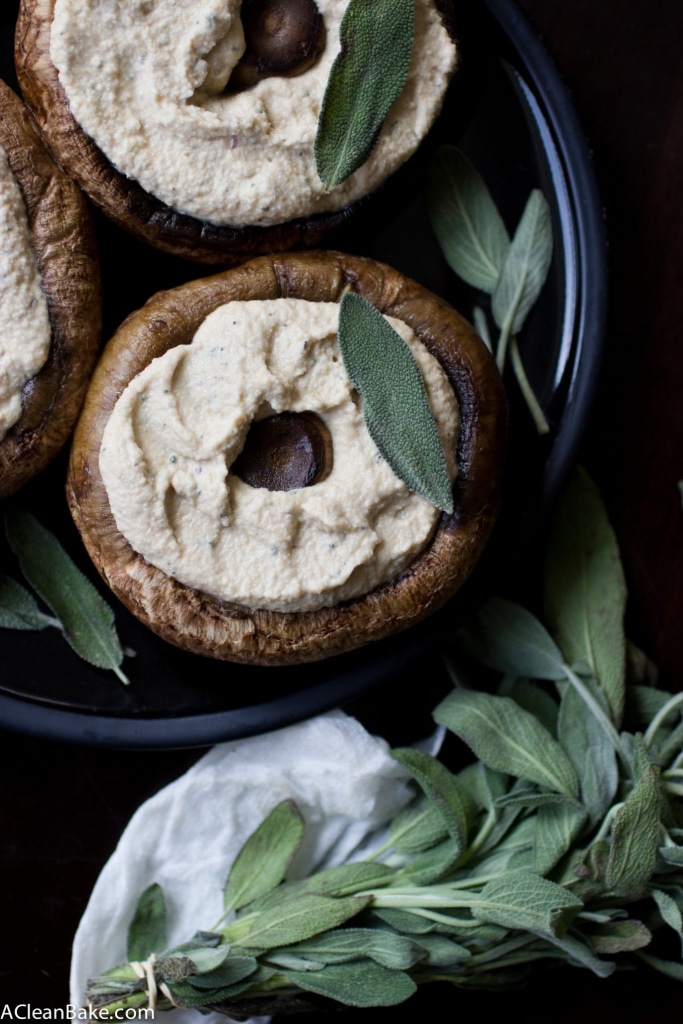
179,426
146,79
25,329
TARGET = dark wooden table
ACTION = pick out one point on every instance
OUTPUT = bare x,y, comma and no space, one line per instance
63,808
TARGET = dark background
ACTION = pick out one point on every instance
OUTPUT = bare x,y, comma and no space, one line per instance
62,808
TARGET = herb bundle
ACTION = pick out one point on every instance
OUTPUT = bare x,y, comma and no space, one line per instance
563,841
477,247
78,611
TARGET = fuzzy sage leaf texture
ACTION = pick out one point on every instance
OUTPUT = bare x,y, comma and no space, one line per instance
19,609
84,617
466,221
585,590
366,78
395,404
525,267
263,860
147,930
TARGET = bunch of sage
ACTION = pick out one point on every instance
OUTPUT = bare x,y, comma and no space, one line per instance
562,841
477,247
78,611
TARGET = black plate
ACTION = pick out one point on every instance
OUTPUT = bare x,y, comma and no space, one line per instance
510,112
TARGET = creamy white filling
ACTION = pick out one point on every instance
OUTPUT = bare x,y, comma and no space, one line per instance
25,330
146,79
181,423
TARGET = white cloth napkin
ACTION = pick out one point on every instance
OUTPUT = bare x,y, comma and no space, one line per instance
186,837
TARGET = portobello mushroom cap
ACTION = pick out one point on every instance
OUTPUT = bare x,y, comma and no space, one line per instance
64,245
121,198
205,625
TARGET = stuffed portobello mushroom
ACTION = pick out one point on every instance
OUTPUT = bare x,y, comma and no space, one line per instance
192,123
49,299
226,483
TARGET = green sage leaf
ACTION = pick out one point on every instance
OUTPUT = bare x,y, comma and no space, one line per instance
620,937
407,922
344,944
533,699
508,739
579,954
442,789
395,404
670,911
635,838
147,930
431,865
357,984
343,880
670,968
595,761
86,619
19,609
367,77
418,827
509,638
523,900
231,970
672,855
466,220
557,826
443,952
525,267
585,590
293,921
263,860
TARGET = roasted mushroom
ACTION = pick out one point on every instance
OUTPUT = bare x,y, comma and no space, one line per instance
64,247
202,227
281,39
205,625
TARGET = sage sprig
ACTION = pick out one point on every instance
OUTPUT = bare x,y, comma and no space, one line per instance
367,77
563,841
477,247
84,618
395,404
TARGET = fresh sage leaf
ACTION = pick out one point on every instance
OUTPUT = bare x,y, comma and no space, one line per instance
580,954
344,944
343,880
208,959
395,404
668,967
522,899
635,838
367,77
417,827
407,922
670,911
293,921
525,267
508,739
263,860
357,984
147,930
620,937
509,638
533,699
532,800
466,220
229,972
430,866
585,590
19,609
672,855
442,789
443,952
595,761
86,619
557,826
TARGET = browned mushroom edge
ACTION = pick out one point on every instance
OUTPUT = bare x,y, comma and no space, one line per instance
204,625
123,200
64,245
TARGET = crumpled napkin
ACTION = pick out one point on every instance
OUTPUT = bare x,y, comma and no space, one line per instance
342,779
